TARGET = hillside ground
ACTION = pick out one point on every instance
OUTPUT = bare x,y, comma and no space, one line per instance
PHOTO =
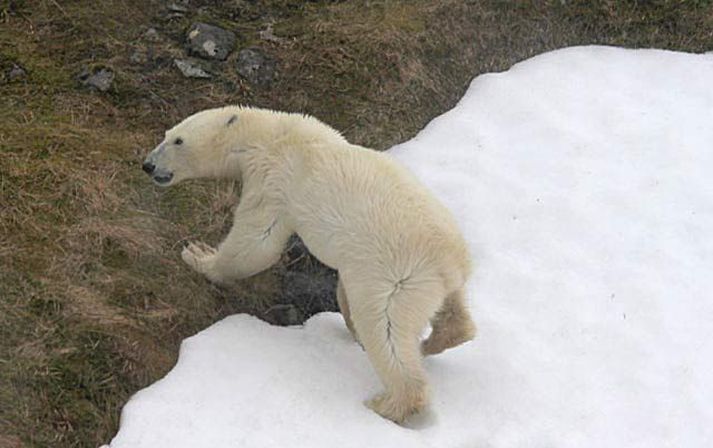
94,299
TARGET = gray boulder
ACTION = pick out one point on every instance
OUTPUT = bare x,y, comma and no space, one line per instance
255,66
284,315
210,42
306,283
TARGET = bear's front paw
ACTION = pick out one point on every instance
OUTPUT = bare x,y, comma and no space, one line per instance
199,256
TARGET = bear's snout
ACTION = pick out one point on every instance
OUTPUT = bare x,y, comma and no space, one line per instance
148,167
159,175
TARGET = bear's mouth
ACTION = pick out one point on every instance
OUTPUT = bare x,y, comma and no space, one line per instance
162,179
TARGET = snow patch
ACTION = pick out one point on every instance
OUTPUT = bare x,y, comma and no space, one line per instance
581,179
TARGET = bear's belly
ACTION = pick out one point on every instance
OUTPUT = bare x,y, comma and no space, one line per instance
320,245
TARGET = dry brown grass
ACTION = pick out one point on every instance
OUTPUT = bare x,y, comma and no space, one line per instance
93,297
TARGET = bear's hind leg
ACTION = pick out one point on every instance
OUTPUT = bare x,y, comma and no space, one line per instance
389,322
452,325
344,309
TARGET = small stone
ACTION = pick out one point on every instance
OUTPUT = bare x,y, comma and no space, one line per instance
210,41
284,315
191,69
174,16
99,79
256,66
175,7
16,72
268,35
138,57
151,35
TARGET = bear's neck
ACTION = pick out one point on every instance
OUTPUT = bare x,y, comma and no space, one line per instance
275,144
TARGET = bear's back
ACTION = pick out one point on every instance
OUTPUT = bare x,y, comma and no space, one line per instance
351,201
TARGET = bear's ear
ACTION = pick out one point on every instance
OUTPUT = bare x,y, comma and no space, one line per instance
232,120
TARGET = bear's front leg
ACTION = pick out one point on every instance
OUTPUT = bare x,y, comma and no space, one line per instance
255,242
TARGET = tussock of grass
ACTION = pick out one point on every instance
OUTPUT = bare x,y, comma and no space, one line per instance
94,299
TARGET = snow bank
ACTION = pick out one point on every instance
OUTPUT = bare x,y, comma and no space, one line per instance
581,179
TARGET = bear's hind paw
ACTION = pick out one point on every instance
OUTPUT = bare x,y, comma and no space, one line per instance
395,409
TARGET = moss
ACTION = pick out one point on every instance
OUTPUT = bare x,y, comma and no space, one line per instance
82,382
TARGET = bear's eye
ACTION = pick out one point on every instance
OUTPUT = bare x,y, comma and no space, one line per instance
178,141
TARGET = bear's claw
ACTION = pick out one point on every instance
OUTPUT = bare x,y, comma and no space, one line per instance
199,256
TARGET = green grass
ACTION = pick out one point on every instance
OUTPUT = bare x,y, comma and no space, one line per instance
94,299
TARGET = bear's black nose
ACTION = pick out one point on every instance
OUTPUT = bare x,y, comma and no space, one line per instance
148,167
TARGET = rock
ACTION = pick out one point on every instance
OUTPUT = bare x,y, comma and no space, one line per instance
305,282
191,69
99,78
151,35
16,72
313,291
210,41
256,66
176,10
284,314
176,7
268,35
138,57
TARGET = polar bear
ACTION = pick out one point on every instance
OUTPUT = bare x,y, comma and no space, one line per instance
400,256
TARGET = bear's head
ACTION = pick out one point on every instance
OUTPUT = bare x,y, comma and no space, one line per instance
195,148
